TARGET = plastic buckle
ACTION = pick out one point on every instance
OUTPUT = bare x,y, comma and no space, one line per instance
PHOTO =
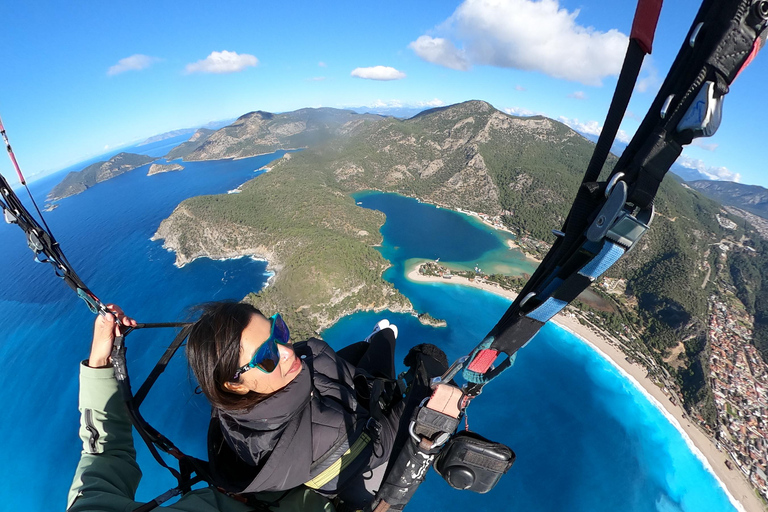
616,223
610,211
373,427
9,217
629,228
705,113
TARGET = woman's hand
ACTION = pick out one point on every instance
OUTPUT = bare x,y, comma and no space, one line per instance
104,331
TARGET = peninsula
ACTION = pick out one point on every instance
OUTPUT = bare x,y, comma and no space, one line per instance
79,181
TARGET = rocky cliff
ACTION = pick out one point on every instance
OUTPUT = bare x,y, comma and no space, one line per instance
195,141
160,168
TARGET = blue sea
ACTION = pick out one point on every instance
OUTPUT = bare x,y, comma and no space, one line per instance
586,439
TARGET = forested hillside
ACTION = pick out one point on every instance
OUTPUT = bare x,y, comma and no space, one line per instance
471,156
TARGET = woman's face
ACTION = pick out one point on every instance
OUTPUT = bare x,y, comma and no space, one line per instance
254,335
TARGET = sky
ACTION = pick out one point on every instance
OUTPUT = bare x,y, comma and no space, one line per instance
80,78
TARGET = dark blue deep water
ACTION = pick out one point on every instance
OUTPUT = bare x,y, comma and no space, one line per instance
586,440
46,330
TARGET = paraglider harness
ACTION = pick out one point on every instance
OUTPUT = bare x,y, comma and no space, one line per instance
606,220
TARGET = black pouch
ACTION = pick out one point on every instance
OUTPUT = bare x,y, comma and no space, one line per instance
470,461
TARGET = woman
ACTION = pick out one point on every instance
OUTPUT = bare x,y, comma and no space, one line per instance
107,475
291,410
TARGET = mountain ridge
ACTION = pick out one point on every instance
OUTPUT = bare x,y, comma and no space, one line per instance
752,198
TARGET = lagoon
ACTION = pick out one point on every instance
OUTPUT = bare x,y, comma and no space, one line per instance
586,439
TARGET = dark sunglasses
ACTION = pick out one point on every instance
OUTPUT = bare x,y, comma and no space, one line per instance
267,356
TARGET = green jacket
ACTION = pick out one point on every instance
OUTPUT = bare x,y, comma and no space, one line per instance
108,475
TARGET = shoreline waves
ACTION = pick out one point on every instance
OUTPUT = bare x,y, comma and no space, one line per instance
700,444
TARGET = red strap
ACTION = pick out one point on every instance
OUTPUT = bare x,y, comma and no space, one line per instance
483,360
755,49
644,25
11,155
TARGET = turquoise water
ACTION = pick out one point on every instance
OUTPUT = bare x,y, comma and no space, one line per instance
585,439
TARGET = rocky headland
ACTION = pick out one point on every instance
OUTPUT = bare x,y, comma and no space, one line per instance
161,168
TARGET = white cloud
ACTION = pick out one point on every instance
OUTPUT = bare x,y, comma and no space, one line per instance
322,64
386,104
431,103
713,173
521,112
578,95
135,62
379,103
520,88
440,51
593,128
699,143
223,62
378,73
525,34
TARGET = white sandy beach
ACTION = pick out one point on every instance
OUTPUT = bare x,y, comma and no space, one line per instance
736,485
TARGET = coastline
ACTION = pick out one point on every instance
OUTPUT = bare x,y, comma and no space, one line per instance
739,491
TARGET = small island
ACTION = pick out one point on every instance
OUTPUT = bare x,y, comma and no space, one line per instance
427,319
160,168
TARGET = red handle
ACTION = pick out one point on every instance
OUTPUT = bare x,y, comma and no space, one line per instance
644,25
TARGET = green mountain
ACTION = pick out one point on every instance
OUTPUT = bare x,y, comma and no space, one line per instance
78,181
526,170
259,132
195,141
752,198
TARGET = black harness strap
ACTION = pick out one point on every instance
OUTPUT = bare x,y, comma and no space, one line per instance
41,241
159,368
724,38
191,470
607,218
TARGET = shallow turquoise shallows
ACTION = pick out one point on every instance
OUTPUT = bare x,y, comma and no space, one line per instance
586,440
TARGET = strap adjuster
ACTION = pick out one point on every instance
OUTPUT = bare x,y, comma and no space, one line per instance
629,228
616,222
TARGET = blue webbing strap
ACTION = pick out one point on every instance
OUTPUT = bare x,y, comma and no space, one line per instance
609,254
547,310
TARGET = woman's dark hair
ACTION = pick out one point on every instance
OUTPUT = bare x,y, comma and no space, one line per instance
213,352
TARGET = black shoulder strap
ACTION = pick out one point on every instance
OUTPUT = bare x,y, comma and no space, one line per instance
607,218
